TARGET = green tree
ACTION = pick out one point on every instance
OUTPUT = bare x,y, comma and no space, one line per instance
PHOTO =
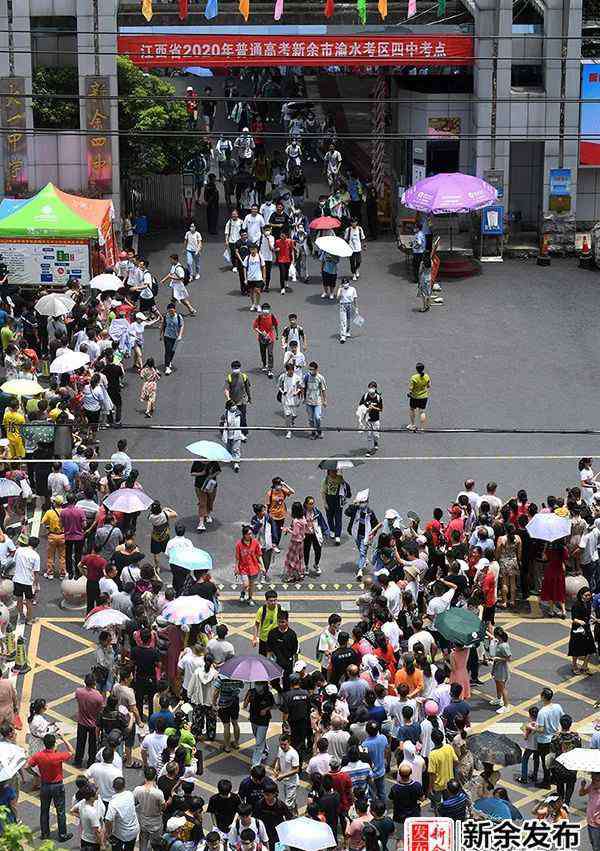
61,113
19,837
148,103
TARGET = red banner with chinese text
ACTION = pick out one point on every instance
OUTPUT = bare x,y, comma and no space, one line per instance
223,50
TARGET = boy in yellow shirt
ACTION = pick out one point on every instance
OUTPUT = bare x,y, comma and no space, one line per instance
12,421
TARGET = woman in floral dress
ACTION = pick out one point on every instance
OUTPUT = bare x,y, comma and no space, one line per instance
293,566
149,375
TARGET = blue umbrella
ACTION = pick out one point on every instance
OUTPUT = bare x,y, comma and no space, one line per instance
209,450
495,808
191,558
199,72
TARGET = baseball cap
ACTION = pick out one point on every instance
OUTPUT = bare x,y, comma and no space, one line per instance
176,823
331,689
140,316
299,666
57,500
294,678
23,540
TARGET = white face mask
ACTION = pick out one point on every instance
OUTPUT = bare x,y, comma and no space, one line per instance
235,371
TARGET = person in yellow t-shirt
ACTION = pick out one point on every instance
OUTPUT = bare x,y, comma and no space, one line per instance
56,539
12,421
418,394
440,766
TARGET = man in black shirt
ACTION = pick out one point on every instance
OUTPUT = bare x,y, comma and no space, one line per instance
242,250
271,811
260,702
145,659
251,788
406,795
283,644
279,221
295,710
223,806
341,657
114,373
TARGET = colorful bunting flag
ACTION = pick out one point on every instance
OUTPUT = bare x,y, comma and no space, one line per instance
147,10
183,9
244,8
382,8
361,6
329,8
412,8
212,9
278,9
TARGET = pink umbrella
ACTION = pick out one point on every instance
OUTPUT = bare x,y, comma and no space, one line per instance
128,500
449,193
325,223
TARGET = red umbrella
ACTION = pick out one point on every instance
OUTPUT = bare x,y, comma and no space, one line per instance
325,223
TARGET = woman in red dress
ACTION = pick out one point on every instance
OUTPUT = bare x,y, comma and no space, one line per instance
248,563
553,584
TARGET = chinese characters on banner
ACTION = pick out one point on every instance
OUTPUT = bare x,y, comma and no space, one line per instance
429,834
12,92
99,153
439,834
226,50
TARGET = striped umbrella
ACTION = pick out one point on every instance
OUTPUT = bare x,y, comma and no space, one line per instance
188,610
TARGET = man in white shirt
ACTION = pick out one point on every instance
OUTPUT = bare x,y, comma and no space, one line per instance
121,821
337,738
58,483
253,224
219,648
319,764
26,575
107,583
355,237
494,502
421,636
348,299
154,744
233,230
104,774
392,594
267,209
193,248
121,457
298,359
328,641
471,493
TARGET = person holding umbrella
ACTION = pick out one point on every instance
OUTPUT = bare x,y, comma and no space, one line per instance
329,266
553,593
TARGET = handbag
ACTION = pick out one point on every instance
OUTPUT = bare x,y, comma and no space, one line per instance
358,320
227,256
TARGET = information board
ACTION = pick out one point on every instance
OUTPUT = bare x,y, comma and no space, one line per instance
45,261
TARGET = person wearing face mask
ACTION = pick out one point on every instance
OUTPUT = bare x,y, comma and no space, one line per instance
237,388
348,299
373,402
232,435
193,246
233,230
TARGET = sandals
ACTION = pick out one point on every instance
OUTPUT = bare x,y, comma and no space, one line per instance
134,765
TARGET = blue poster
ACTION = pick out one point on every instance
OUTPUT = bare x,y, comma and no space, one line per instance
492,220
589,121
560,181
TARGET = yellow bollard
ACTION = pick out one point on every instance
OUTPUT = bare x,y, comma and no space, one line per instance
21,665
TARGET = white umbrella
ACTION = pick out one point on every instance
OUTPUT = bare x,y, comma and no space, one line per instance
9,488
54,304
334,245
188,610
306,834
105,618
22,387
106,283
581,759
549,527
69,361
12,759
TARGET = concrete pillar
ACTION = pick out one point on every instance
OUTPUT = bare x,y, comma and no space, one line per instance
15,60
552,74
98,57
492,18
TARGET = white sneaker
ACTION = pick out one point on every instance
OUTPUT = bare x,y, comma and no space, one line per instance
208,519
201,527
168,371
495,701
354,277
411,427
330,296
252,308
502,709
357,275
323,295
243,438
196,277
282,291
289,435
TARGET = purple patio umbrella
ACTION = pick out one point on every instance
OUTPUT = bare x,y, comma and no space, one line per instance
251,669
128,500
449,193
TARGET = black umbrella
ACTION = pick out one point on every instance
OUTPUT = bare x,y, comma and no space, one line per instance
494,748
340,463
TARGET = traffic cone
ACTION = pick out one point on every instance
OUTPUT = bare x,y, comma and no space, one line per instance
586,258
543,258
9,643
585,248
21,665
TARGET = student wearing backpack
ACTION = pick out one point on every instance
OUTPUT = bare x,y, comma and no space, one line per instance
171,332
237,388
177,278
148,292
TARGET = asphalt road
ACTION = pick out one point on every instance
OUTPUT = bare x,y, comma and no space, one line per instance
508,349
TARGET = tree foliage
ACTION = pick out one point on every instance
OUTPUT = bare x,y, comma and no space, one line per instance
148,103
19,837
58,113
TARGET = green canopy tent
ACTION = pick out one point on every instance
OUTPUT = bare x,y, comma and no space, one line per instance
46,214
54,237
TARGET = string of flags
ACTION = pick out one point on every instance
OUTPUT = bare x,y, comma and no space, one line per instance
211,9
